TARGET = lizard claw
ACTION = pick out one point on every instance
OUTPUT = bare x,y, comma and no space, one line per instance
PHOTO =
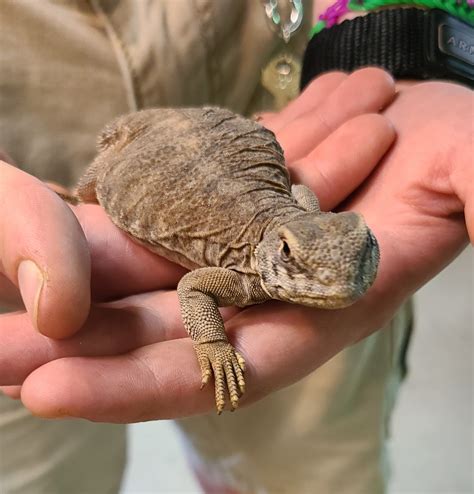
220,358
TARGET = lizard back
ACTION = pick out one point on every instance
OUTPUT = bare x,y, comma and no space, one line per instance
199,186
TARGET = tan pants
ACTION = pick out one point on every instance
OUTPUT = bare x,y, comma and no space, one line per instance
326,434
58,456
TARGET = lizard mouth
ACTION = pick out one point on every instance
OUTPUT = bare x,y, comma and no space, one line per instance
369,260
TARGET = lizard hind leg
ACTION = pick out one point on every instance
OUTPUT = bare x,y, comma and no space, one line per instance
85,188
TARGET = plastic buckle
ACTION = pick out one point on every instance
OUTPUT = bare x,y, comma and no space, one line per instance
450,49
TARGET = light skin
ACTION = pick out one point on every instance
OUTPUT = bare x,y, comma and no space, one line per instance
130,361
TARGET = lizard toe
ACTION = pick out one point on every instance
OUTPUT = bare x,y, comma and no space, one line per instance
205,365
239,374
220,358
240,360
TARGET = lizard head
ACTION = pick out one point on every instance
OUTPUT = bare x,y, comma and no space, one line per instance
325,260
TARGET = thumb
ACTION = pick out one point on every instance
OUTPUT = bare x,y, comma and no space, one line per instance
43,252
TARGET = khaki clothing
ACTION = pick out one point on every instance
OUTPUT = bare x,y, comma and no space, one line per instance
67,67
70,66
58,456
326,434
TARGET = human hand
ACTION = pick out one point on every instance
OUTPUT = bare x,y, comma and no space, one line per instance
37,226
421,197
129,362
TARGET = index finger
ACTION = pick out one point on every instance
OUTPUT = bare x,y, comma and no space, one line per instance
44,253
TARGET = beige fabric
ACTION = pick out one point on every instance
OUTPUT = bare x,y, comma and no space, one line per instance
66,68
62,76
326,434
58,457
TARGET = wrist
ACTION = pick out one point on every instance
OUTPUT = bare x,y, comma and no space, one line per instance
410,43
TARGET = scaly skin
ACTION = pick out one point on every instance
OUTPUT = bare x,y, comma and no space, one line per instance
209,190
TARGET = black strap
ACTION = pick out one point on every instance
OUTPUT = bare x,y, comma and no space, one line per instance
409,43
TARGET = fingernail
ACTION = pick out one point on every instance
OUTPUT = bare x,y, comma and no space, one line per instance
30,282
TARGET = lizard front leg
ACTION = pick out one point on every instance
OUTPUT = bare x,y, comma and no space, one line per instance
200,293
306,198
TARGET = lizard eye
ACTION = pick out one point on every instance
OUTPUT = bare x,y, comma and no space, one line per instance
285,250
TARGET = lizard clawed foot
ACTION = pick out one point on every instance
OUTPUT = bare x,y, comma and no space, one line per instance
227,365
